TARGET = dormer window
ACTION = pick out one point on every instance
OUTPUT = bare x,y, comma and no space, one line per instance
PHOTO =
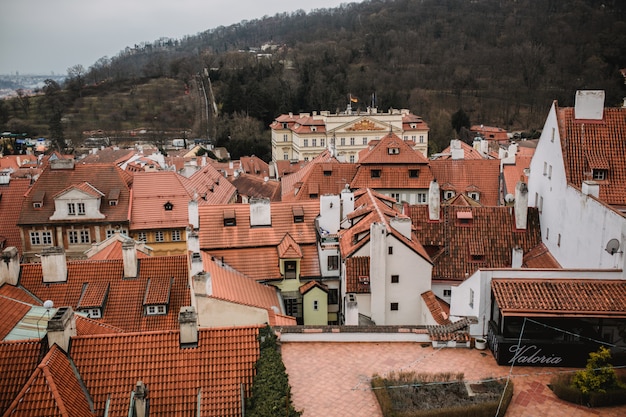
313,128
448,195
229,218
393,151
375,173
114,196
599,174
474,195
168,206
157,310
464,218
38,199
93,313
298,214
414,173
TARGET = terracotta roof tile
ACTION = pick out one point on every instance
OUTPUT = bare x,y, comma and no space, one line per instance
436,308
101,176
513,172
451,243
53,389
211,186
12,312
391,149
93,295
114,251
86,326
11,197
310,285
358,274
483,175
216,370
158,291
468,152
288,248
254,165
561,297
18,360
18,293
124,303
595,144
540,257
252,186
109,156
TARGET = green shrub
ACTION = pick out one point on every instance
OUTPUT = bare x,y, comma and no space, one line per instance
598,375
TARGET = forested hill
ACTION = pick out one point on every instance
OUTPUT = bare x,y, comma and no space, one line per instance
502,62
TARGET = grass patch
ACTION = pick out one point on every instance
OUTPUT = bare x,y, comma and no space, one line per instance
409,394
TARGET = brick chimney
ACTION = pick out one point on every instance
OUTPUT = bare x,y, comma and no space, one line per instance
129,255
188,321
61,327
53,264
140,399
521,205
9,266
434,201
260,212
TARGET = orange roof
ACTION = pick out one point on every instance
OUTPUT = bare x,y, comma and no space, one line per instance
253,186
357,274
11,197
233,286
540,257
513,173
109,156
114,251
12,312
151,193
288,248
391,149
53,389
454,245
210,186
468,152
438,309
124,302
254,165
464,174
211,374
18,360
101,176
560,297
318,178
310,285
595,144
372,207
86,326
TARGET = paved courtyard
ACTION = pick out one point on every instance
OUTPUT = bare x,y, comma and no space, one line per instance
332,379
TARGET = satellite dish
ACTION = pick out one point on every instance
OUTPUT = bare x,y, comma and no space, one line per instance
48,304
612,246
509,198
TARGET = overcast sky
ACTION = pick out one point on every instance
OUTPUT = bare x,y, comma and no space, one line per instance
49,36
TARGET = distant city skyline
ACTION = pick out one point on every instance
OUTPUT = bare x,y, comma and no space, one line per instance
39,37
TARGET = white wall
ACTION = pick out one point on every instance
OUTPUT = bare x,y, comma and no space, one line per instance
574,227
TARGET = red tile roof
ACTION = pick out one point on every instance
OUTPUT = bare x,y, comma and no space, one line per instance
254,165
11,197
211,186
252,186
125,299
101,176
109,156
468,152
318,178
560,297
438,309
513,172
18,360
358,274
211,374
491,230
86,326
12,312
595,144
54,389
391,149
470,175
372,207
540,257
114,251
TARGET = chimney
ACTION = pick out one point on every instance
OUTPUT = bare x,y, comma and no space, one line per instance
521,205
202,284
378,268
9,266
591,188
196,263
5,177
347,201
402,225
193,240
456,151
352,311
260,212
53,264
61,327
434,203
330,213
129,254
140,399
517,257
589,105
188,321
193,214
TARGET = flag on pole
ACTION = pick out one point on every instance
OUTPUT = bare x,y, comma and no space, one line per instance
353,99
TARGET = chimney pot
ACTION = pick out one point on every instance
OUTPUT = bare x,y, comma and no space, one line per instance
53,264
188,321
9,266
61,327
129,254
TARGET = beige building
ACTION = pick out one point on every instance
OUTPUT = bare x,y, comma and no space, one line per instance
304,136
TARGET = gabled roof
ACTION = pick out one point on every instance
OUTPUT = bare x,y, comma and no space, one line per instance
318,178
253,186
391,149
560,297
254,165
358,274
310,285
54,388
103,177
438,309
151,192
210,186
211,375
289,183
375,208
84,187
289,248
125,297
18,360
111,248
490,230
109,155
468,152
233,286
540,257
11,197
596,144
483,175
